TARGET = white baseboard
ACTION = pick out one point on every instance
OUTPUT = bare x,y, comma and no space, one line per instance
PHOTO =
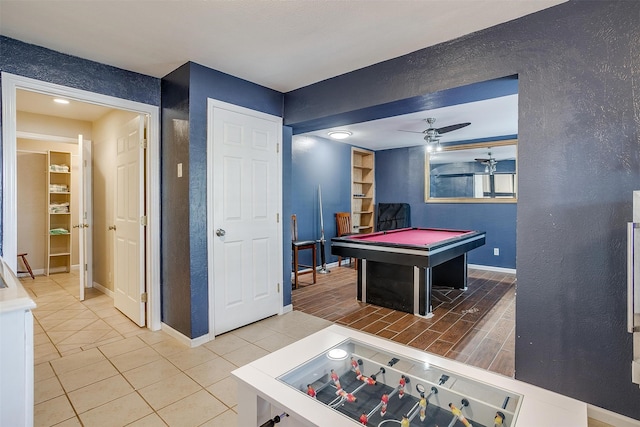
104,290
609,417
492,268
191,342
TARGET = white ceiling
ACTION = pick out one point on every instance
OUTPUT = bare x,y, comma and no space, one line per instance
494,117
283,45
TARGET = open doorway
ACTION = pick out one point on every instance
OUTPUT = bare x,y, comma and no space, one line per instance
34,133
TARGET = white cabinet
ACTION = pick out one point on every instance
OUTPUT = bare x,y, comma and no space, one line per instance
16,351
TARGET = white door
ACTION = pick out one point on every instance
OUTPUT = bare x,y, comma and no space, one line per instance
245,231
85,241
129,231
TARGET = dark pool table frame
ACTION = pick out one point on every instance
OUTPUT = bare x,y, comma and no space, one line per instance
402,276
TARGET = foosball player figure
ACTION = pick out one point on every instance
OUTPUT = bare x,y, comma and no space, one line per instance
403,382
458,413
405,421
363,419
499,419
423,407
336,379
355,368
385,401
347,396
310,391
367,380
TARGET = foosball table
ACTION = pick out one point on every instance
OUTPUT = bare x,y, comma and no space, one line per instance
358,379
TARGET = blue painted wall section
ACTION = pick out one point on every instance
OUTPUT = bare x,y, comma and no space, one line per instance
578,163
326,163
175,247
497,219
202,83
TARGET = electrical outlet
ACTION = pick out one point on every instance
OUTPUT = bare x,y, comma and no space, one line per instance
496,251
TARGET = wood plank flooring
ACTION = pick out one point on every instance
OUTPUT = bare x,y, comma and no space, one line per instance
476,326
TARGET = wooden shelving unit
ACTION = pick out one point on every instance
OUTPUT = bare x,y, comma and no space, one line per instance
58,257
362,190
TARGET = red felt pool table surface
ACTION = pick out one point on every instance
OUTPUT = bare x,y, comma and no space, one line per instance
412,236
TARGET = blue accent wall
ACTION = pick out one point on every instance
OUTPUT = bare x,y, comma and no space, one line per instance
190,86
400,179
319,162
175,247
578,164
47,65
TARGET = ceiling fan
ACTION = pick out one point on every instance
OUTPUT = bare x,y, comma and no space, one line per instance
490,164
432,134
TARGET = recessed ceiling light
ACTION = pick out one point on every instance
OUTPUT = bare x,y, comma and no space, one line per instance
60,101
340,134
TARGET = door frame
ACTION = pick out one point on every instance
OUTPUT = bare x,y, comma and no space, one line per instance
211,104
10,84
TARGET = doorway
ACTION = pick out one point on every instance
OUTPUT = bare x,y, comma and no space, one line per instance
10,86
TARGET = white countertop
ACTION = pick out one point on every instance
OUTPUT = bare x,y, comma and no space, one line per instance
539,408
13,297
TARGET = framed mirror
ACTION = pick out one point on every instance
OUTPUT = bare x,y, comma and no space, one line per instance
473,173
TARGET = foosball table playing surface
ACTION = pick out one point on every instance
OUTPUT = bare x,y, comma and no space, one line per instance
375,388
339,377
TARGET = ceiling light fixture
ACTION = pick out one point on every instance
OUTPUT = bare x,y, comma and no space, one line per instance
340,134
60,101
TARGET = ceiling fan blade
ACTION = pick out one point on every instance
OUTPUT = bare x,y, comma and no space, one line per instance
482,160
410,131
452,127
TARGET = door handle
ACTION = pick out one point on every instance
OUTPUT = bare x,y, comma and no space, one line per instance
77,226
112,227
220,232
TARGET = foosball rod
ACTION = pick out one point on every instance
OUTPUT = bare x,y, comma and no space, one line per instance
379,405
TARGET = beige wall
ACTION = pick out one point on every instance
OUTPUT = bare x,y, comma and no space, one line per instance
105,137
32,199
48,125
32,208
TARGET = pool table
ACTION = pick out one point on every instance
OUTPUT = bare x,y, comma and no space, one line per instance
398,268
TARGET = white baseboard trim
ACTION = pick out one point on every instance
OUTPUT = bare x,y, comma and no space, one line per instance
606,416
104,290
191,342
492,268
286,309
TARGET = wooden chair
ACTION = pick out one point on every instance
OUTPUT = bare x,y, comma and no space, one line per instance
26,264
343,227
297,246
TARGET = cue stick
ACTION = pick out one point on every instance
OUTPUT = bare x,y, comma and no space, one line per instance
323,261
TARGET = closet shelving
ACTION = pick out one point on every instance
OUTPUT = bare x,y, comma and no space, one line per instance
58,257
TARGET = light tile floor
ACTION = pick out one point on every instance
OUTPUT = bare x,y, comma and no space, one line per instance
93,367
